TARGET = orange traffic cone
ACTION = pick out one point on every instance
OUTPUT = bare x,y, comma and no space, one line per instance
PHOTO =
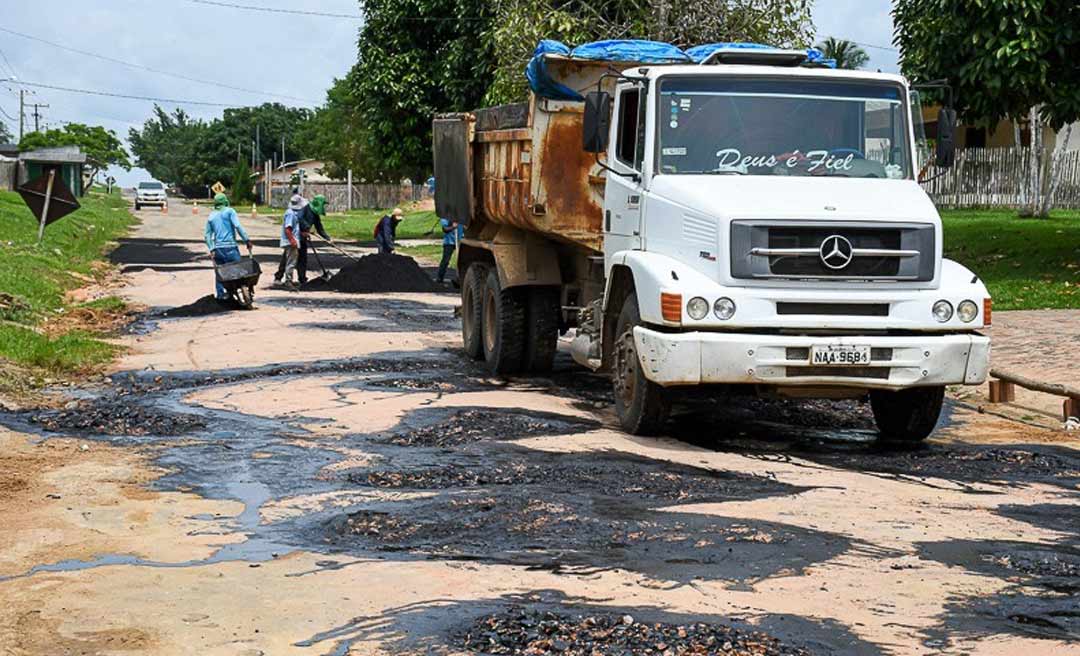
254,211
195,208
164,208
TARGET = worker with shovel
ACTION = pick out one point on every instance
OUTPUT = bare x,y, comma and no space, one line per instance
222,229
310,217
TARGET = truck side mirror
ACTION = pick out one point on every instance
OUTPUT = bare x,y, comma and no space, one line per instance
597,122
946,137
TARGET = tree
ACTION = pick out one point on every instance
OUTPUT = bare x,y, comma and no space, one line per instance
336,133
241,183
5,133
168,147
191,153
416,58
521,24
846,53
1005,59
101,147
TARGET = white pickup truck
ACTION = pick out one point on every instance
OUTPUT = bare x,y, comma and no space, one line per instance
151,193
751,224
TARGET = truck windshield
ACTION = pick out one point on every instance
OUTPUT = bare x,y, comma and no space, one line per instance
783,127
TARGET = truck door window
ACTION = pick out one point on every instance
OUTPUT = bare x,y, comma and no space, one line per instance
626,145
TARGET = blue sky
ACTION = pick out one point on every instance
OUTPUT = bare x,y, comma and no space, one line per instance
271,53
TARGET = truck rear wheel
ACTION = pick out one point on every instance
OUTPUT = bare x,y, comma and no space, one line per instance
641,404
907,415
503,326
472,311
541,329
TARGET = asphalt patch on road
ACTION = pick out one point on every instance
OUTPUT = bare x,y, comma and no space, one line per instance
527,631
547,621
113,416
583,511
465,426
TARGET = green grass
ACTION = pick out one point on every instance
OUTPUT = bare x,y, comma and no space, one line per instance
38,276
359,225
430,252
71,352
1027,264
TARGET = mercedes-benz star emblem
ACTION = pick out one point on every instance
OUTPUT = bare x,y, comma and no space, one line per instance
836,252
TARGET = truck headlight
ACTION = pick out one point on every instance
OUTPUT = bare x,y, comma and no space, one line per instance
724,308
967,311
943,311
697,308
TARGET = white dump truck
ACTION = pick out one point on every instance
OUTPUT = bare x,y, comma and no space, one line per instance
750,223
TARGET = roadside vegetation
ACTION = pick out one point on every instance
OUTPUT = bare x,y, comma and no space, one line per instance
1028,264
41,331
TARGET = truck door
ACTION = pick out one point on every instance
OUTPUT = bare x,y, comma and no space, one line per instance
623,197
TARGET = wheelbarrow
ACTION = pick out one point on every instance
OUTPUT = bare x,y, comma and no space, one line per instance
239,279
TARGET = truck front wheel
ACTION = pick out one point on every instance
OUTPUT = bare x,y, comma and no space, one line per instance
907,415
503,326
641,404
472,310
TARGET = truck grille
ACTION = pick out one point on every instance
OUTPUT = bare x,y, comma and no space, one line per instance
832,250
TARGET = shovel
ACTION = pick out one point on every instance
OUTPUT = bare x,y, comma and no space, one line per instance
325,274
341,250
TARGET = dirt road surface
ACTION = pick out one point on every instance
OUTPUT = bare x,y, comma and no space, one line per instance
326,474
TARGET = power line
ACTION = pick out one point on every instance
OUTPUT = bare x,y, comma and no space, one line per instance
148,68
303,12
109,94
865,45
275,10
8,62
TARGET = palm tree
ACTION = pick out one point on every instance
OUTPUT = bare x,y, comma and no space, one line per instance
846,53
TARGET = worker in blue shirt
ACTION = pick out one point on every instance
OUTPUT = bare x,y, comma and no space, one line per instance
452,234
222,228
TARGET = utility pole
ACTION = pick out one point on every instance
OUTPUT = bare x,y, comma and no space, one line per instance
258,141
22,112
37,116
283,151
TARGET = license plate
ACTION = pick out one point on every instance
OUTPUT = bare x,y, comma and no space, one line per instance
840,356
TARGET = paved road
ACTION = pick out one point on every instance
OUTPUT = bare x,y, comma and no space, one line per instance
327,475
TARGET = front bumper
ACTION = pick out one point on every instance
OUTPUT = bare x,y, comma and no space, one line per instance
695,358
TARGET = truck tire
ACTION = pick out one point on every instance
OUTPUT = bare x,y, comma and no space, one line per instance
907,415
503,326
641,404
472,311
541,329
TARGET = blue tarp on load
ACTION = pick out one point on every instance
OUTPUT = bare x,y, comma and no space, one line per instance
700,53
540,82
628,50
631,50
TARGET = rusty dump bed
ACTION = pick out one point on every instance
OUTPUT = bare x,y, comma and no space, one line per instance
523,165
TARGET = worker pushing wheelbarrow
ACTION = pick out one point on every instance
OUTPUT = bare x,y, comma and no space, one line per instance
239,279
235,277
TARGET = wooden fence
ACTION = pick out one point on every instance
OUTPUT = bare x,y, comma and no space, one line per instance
364,196
996,177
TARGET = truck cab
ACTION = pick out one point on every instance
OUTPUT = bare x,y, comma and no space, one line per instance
750,224
772,225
